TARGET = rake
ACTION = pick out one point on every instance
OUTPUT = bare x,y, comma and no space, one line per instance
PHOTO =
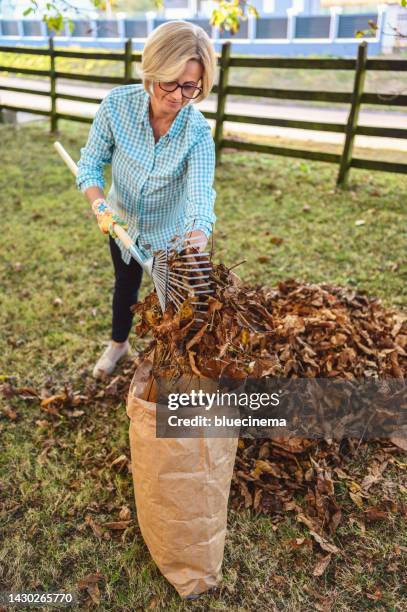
178,272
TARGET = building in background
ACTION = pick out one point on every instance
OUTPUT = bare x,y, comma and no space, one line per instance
284,27
177,9
394,26
356,6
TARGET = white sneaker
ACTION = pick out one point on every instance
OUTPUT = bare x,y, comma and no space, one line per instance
109,358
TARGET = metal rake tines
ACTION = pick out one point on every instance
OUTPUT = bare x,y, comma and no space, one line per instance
179,275
159,274
194,267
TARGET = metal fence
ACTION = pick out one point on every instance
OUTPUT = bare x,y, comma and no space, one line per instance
359,66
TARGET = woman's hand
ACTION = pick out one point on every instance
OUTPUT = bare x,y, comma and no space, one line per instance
197,239
106,218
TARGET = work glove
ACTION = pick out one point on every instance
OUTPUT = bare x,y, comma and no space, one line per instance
106,218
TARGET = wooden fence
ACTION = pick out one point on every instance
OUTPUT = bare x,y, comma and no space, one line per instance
226,63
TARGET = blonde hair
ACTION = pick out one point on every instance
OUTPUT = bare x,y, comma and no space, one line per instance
169,47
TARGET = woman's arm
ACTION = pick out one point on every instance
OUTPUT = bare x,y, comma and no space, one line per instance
90,178
94,193
201,196
97,152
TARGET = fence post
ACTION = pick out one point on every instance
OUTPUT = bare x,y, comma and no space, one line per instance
222,93
54,120
127,61
352,123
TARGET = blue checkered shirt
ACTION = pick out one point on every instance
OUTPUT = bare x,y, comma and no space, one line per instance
161,189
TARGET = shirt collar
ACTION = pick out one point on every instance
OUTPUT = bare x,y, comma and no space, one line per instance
177,124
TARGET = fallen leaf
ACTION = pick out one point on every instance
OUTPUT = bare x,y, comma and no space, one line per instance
376,596
90,584
196,338
357,499
96,528
192,363
276,240
321,565
119,463
94,593
42,423
399,442
374,514
76,413
324,544
374,476
9,412
125,514
117,525
325,605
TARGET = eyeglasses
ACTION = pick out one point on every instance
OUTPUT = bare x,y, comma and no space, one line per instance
187,91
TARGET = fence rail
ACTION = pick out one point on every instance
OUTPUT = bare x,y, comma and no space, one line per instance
360,66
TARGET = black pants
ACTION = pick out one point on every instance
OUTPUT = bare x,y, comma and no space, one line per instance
127,283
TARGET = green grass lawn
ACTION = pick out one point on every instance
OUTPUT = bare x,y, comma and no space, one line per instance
56,472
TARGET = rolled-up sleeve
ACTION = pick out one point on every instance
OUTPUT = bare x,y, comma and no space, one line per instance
97,152
200,192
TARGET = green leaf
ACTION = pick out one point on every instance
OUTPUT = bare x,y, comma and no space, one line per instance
55,22
230,14
28,11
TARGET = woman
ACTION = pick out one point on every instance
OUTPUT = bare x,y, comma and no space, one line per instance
163,160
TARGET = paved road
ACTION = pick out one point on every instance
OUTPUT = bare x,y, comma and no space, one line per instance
304,113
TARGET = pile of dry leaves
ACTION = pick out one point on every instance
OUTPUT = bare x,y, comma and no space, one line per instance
292,330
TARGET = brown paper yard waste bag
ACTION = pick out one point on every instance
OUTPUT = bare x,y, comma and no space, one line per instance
181,488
